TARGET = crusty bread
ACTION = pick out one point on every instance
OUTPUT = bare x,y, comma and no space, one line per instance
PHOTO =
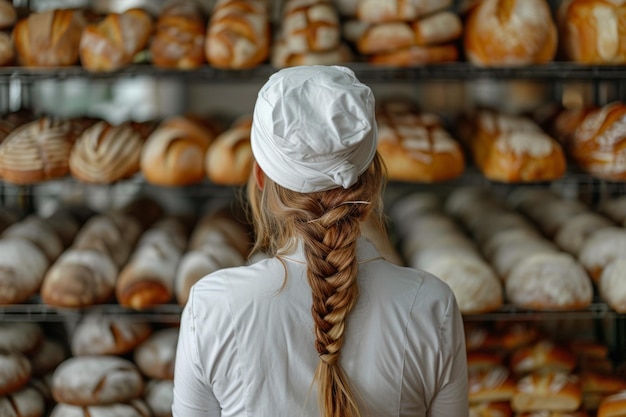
310,26
99,334
491,385
134,408
22,336
238,34
156,355
112,43
511,33
26,402
22,269
551,391
375,11
15,371
178,41
592,32
105,153
229,157
49,38
174,154
96,380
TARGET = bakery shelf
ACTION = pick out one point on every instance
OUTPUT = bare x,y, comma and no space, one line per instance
170,313
366,72
38,312
596,310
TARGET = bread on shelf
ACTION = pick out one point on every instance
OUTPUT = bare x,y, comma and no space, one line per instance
229,157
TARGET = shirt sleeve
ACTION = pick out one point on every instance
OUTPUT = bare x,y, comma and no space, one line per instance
451,398
192,396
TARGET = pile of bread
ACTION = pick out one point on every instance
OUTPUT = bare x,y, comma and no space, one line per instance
517,369
180,150
105,366
534,249
241,34
138,255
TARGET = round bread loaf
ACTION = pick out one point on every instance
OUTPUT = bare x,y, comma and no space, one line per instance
105,153
101,233
99,334
37,151
22,336
229,157
549,281
27,402
155,356
512,33
96,380
15,371
135,408
40,233
79,278
22,270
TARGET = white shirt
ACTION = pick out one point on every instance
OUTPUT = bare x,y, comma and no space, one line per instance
246,345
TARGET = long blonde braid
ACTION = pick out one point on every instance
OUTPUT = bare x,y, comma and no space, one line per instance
328,224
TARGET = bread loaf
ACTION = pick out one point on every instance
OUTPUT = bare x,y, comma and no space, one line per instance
597,386
178,41
613,405
79,278
310,26
39,232
551,391
96,380
375,11
573,233
8,14
601,248
113,43
592,32
282,57
598,146
22,336
175,153
99,334
27,402
15,371
511,33
229,157
148,277
416,55
238,34
415,147
514,149
49,38
22,269
543,355
105,153
549,281
501,409
611,284
156,355
491,385
101,233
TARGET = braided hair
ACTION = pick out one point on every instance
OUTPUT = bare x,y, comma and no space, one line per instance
328,224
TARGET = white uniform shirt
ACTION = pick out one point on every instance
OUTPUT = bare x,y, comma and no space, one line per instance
246,345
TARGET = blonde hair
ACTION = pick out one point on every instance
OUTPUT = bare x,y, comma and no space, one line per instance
328,224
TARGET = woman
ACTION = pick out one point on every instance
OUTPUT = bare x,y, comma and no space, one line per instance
325,326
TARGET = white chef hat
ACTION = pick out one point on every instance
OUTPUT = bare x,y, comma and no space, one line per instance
314,128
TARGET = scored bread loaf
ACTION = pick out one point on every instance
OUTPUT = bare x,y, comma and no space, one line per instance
491,385
22,269
551,391
598,145
229,157
96,380
49,38
510,33
100,334
26,402
514,149
178,41
37,151
593,32
238,34
106,153
416,147
174,154
79,278
375,11
310,26
148,277
103,234
112,43
282,57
